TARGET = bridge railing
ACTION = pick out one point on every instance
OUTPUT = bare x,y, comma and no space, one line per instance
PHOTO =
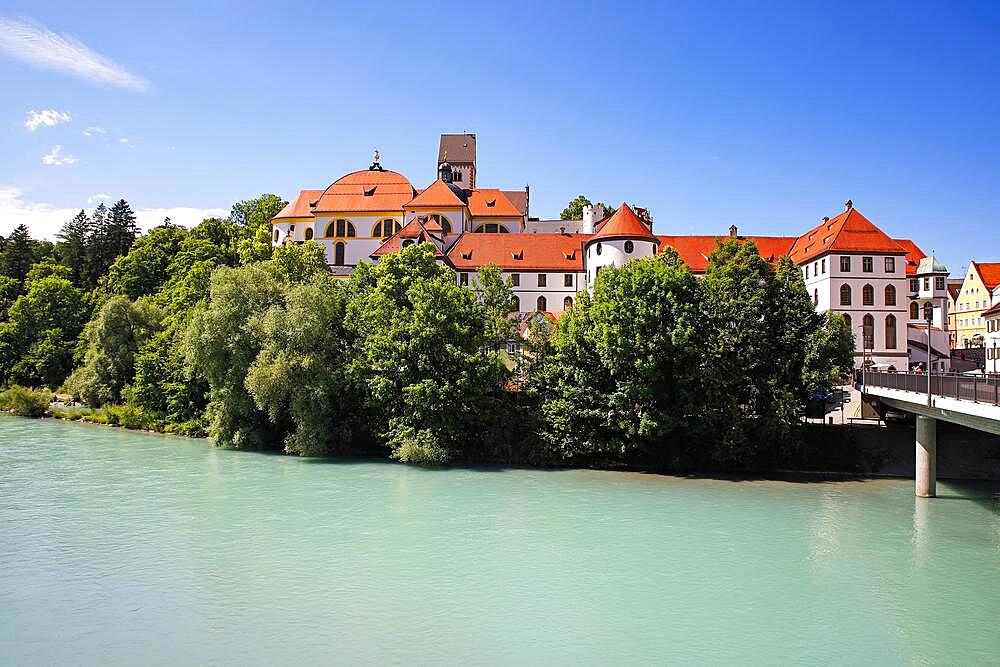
978,389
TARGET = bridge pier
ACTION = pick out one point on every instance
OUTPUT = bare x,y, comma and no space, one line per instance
926,469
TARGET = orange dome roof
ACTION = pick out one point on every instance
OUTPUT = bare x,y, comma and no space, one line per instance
624,224
366,190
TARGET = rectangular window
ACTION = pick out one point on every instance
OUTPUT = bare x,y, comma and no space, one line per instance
845,264
939,283
867,265
807,272
568,280
914,285
927,283
890,264
541,280
515,280
823,265
463,279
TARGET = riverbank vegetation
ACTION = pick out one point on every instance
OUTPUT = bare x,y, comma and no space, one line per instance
211,331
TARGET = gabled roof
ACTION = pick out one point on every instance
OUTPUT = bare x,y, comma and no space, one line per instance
439,194
368,190
954,289
914,255
414,230
490,202
988,273
519,198
624,224
695,250
848,232
993,311
456,148
519,252
300,206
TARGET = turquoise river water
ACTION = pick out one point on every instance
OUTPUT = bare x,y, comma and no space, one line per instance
121,548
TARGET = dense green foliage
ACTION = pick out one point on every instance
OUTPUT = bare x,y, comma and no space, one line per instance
24,402
210,330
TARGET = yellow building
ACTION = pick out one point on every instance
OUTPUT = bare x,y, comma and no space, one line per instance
975,297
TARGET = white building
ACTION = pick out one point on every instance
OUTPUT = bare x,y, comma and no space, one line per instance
991,340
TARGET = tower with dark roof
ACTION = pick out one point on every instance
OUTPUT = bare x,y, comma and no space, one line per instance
459,151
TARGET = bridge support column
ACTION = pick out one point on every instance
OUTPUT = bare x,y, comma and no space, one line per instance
926,472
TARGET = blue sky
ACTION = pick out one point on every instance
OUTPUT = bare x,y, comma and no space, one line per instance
709,114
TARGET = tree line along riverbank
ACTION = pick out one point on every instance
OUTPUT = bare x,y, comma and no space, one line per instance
211,331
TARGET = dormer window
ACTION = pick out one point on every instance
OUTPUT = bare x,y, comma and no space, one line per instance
491,203
371,192
518,254
467,255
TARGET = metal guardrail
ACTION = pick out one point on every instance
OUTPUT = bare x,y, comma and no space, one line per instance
978,389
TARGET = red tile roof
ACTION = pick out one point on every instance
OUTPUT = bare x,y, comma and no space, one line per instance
624,223
415,230
989,273
695,250
913,255
368,190
438,194
848,232
519,198
490,202
513,252
300,206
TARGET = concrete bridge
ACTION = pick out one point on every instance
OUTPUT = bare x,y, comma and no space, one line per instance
961,399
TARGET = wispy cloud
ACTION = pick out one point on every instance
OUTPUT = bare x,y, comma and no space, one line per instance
96,199
123,140
57,158
46,118
45,220
43,48
94,130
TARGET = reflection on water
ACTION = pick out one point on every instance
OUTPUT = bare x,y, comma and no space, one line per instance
121,548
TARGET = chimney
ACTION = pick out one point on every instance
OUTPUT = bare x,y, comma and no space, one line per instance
732,231
848,205
826,218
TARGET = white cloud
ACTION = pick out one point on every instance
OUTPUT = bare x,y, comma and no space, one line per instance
45,117
44,220
95,199
123,140
43,48
94,130
56,158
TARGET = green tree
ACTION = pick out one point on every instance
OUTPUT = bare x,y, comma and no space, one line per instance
113,338
144,269
302,370
574,210
829,354
114,233
18,254
497,298
623,382
252,219
75,237
420,355
36,341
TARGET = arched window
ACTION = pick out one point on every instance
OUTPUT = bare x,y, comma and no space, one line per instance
491,228
541,304
338,254
275,235
914,310
815,297
867,295
890,332
341,229
515,304
385,228
868,330
845,295
309,233
847,321
629,247
567,303
890,295
599,248
929,311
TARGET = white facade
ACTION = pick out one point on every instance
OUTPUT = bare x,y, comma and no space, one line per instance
614,252
991,342
558,290
870,290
